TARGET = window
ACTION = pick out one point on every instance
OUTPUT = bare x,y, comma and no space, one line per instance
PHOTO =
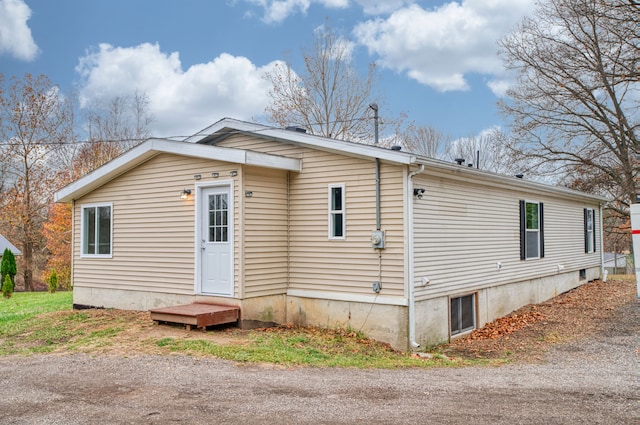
218,218
463,314
336,212
531,230
589,230
96,230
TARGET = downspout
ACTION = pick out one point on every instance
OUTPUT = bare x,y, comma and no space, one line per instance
412,303
603,276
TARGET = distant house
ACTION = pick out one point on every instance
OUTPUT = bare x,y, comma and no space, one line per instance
301,229
615,263
4,244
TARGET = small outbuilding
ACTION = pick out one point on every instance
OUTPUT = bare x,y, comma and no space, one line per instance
5,244
294,228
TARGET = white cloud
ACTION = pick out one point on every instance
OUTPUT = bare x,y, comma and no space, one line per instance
276,11
15,34
438,47
380,7
499,86
182,102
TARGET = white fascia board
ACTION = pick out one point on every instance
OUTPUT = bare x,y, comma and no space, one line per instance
310,140
153,147
237,156
461,172
108,171
272,161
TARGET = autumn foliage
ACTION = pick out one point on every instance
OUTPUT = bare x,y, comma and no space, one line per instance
57,234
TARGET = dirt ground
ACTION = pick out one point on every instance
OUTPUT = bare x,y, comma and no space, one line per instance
525,335
575,361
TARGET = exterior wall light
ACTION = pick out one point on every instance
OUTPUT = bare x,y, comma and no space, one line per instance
197,176
248,193
185,193
233,173
215,174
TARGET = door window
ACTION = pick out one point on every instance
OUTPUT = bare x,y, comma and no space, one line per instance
218,218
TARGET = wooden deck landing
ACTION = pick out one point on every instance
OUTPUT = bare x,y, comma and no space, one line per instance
199,315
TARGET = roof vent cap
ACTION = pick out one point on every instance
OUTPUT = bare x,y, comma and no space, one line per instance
460,161
295,128
396,148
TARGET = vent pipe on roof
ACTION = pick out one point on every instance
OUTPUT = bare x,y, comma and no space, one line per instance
519,176
295,128
396,148
460,161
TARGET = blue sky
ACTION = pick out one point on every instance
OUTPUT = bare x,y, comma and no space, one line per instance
201,60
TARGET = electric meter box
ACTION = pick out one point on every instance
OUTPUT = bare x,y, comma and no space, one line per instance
377,239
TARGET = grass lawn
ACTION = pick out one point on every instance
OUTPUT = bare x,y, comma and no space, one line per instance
33,323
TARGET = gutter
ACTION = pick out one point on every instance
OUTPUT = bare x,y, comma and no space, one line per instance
412,303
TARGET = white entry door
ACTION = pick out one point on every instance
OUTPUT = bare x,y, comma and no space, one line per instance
216,260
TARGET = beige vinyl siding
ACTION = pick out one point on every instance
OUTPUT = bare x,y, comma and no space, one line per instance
342,266
265,232
153,230
463,229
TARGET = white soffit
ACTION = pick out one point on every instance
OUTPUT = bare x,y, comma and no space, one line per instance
153,147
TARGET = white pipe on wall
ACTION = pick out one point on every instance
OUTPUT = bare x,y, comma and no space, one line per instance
412,303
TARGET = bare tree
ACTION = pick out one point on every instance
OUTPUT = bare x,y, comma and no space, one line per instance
112,127
329,97
488,151
35,121
424,140
575,104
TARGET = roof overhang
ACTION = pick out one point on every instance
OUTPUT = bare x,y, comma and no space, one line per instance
229,126
463,173
153,147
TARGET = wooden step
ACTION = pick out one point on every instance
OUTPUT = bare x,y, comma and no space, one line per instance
199,315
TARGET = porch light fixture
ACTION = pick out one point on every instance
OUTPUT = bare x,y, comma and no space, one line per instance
197,176
215,174
233,173
185,193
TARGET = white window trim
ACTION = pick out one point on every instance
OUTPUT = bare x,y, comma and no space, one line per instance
330,212
82,224
536,231
590,234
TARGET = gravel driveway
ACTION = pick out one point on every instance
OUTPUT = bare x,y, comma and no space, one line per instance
592,381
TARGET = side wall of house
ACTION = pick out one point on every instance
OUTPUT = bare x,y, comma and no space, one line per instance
330,280
152,262
467,240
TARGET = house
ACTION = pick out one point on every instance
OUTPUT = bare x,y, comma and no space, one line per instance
295,228
616,263
4,244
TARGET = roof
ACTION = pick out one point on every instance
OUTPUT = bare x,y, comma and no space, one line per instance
203,145
4,244
229,126
154,147
615,260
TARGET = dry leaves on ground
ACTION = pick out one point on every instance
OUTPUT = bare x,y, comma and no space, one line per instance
528,332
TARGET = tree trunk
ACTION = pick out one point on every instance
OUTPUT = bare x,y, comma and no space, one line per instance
28,264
